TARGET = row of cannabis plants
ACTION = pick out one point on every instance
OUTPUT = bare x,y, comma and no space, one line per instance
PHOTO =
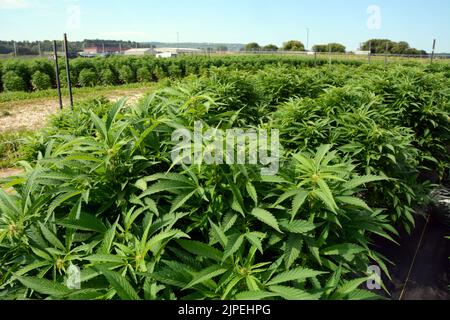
103,212
39,74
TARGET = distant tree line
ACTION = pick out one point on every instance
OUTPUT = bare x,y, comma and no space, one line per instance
389,46
331,47
292,45
377,46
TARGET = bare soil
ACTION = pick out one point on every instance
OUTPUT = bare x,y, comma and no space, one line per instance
32,114
6,173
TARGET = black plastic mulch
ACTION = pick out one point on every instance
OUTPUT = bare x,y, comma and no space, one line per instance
430,275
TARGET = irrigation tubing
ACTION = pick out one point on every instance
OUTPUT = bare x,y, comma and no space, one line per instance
411,268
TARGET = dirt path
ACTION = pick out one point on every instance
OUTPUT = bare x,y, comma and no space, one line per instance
5,173
32,114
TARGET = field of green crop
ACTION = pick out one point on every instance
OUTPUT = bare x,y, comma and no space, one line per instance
362,147
39,74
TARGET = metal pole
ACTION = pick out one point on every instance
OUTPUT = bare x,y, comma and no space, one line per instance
434,48
69,83
386,54
307,39
58,82
329,49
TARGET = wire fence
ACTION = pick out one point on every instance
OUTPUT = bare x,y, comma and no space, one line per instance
331,56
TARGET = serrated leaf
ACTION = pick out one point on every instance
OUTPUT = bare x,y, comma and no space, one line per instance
343,249
206,274
353,201
252,192
86,222
294,294
200,249
298,201
297,226
293,247
141,184
359,181
44,286
120,284
298,274
234,243
51,237
266,217
218,234
253,238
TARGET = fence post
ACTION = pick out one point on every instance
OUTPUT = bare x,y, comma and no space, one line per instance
386,54
58,82
329,49
434,48
69,83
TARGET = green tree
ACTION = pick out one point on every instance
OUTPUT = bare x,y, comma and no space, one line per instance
270,47
379,46
335,47
253,46
293,45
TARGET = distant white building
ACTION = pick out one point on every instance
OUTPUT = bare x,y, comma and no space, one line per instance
362,53
166,55
140,52
178,50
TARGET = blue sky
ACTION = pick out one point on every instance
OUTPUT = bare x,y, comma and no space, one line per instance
235,21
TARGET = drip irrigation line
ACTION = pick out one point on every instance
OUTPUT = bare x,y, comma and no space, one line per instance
414,259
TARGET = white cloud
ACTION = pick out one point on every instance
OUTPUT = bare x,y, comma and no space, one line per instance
14,4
